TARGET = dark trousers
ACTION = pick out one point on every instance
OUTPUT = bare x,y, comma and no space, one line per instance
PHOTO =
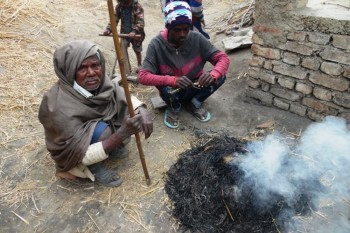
198,25
194,95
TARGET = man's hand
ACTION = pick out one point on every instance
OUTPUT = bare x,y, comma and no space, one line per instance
130,126
183,82
205,80
107,32
147,122
132,34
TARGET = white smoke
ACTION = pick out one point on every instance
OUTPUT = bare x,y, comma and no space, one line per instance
319,166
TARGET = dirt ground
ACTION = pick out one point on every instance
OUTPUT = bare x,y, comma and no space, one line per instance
32,199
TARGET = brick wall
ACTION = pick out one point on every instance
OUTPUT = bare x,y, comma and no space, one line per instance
300,71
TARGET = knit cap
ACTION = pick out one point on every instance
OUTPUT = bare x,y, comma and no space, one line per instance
177,12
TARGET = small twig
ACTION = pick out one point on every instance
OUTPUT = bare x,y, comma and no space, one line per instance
79,209
20,218
319,214
150,191
138,221
330,3
64,188
228,210
35,204
242,22
274,223
109,198
92,220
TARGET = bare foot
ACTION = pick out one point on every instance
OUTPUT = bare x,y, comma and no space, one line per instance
66,175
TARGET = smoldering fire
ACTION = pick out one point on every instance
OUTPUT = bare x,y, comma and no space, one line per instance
228,185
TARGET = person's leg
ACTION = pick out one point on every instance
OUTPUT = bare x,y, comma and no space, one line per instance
205,92
137,47
125,43
172,98
200,96
118,152
200,29
104,175
196,23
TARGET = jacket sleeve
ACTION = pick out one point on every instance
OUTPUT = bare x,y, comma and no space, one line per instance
149,79
221,63
139,19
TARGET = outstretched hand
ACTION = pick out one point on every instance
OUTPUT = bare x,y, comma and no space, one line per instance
130,126
183,82
107,32
205,80
147,122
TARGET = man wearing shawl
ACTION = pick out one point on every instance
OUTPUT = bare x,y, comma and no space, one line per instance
85,115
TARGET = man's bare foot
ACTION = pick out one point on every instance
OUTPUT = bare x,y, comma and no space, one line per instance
66,175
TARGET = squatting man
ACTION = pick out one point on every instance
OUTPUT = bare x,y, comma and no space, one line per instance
85,115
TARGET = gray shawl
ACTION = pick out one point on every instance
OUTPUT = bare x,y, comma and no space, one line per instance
69,119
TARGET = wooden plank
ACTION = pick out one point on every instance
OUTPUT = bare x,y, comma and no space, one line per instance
158,102
132,78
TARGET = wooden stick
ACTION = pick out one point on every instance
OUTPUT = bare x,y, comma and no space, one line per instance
125,85
92,220
20,218
121,35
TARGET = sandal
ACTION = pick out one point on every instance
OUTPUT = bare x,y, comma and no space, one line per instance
171,119
105,176
200,113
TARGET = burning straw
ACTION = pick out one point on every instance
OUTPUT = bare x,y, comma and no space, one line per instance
228,185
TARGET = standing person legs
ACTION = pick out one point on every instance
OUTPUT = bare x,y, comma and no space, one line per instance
137,47
196,23
124,46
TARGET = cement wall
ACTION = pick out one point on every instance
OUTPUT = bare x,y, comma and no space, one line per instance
301,59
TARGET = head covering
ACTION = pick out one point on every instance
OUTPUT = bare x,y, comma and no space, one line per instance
68,58
69,119
177,12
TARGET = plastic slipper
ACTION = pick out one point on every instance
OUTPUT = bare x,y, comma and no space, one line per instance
173,116
200,113
105,176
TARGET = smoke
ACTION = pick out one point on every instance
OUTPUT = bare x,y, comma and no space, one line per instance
310,179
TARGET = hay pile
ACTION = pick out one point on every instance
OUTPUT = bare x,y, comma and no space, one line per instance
23,58
241,14
202,186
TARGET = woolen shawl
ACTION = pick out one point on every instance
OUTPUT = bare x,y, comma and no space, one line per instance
69,119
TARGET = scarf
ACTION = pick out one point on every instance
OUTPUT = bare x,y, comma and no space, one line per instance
69,118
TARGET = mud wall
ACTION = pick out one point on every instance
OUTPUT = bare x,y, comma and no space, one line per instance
301,59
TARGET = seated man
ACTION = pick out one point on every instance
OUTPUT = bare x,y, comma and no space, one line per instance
174,63
85,115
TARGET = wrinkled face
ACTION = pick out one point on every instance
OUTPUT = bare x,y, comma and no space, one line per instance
178,34
90,74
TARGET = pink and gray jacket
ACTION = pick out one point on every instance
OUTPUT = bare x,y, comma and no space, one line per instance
164,63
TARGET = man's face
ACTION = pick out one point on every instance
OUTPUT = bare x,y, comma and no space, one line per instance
89,75
178,34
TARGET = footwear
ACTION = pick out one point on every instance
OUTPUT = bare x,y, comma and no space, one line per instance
119,153
200,113
171,118
105,176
